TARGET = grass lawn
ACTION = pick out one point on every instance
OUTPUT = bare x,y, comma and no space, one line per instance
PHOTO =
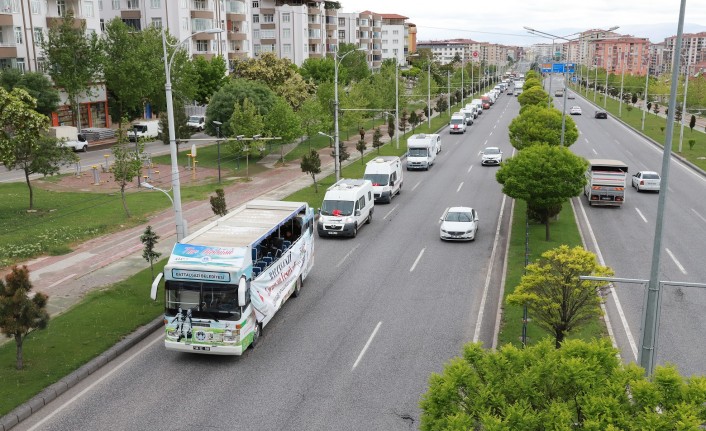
655,128
562,231
73,338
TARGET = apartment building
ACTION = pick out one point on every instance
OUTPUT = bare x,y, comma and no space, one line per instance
394,37
627,54
693,50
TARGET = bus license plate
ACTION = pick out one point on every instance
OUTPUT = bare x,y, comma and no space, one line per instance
204,348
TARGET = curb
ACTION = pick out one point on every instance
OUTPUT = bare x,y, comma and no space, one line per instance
34,404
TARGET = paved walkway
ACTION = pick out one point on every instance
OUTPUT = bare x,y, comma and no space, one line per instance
115,257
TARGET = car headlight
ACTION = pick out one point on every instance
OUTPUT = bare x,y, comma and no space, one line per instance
349,220
443,230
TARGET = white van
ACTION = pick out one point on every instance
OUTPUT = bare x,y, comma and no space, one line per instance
68,136
422,150
346,206
144,129
468,115
473,108
478,104
196,122
457,123
385,172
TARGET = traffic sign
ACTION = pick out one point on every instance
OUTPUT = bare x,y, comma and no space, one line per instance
573,79
546,67
562,67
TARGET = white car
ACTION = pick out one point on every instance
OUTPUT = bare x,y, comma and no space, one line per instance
646,180
575,110
459,224
491,156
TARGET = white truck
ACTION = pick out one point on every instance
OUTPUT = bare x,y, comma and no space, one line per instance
225,282
385,172
347,205
68,136
422,149
144,130
605,182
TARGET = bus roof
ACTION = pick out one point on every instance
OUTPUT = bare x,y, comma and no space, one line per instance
606,162
247,224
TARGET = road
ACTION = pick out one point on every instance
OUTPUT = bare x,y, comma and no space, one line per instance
625,240
96,156
378,314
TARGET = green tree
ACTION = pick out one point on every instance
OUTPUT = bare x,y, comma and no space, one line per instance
633,99
311,164
342,152
311,117
441,104
149,240
284,123
534,96
390,126
23,143
36,84
583,385
377,142
649,106
539,124
20,312
127,164
353,67
245,121
413,119
403,121
361,145
181,130
678,114
318,70
557,299
655,108
692,123
211,77
218,203
544,176
531,83
74,58
235,91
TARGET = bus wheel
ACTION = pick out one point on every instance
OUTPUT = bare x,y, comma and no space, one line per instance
297,287
256,335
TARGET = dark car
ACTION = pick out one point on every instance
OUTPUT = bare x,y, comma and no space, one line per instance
600,114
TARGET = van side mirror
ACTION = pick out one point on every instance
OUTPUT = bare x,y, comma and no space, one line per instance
242,290
155,285
357,213
392,183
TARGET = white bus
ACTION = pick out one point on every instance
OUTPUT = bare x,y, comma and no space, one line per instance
226,281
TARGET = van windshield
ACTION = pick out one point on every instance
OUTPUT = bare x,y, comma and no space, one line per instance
140,128
457,120
417,152
194,119
377,179
337,208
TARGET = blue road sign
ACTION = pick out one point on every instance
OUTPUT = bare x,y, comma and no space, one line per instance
563,67
573,79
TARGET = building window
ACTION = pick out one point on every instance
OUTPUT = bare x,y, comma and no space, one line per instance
341,34
395,32
102,25
267,34
256,34
157,22
185,23
201,45
286,17
100,5
268,17
38,35
155,4
18,35
395,41
184,4
255,4
116,5
286,48
35,7
200,5
255,18
21,64
256,49
61,7
133,4
286,33
384,32
41,65
341,22
88,9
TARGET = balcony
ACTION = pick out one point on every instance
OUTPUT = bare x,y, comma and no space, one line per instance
237,35
202,14
6,19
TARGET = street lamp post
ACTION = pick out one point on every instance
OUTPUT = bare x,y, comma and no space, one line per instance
429,94
337,62
180,223
623,66
149,186
683,108
137,153
218,144
644,98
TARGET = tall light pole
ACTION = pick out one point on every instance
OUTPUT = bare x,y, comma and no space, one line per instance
463,60
644,98
683,108
181,231
218,144
622,81
337,62
429,94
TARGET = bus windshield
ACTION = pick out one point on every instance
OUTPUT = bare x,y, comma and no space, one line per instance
337,208
205,300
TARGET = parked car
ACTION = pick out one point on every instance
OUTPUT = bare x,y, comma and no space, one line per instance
559,93
575,110
459,223
570,95
646,180
600,114
491,156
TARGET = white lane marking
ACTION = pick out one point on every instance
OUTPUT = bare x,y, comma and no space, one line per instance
594,151
641,215
370,340
699,215
61,281
469,169
676,262
618,306
416,261
479,322
94,384
459,187
489,134
617,141
391,211
485,143
340,262
496,125
415,186
586,139
630,154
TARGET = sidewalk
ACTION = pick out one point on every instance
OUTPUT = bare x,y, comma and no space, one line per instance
111,258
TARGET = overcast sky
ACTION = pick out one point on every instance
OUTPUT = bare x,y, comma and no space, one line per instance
503,21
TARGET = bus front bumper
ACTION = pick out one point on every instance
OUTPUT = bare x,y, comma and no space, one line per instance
204,348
